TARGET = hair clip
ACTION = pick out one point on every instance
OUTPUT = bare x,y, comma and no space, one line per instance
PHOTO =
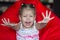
22,4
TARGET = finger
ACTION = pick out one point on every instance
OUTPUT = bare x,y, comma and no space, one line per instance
8,20
40,22
52,18
13,24
43,15
49,13
3,24
46,13
3,21
19,23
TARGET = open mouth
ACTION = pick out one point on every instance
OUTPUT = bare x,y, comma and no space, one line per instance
28,23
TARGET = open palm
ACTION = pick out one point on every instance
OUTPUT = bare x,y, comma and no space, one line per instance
46,18
41,24
8,23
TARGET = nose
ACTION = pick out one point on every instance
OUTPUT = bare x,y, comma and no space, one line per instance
28,18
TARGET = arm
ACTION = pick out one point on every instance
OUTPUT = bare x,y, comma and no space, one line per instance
40,25
17,27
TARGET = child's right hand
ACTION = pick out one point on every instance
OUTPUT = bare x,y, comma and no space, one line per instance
9,24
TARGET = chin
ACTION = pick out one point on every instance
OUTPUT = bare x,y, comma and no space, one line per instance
28,26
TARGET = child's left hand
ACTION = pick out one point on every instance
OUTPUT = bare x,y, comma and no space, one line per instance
45,20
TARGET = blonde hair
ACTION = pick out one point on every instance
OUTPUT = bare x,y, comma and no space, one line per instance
28,6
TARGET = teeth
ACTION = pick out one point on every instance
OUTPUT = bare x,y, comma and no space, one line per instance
28,22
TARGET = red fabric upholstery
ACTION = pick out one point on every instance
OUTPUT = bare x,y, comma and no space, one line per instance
7,33
50,32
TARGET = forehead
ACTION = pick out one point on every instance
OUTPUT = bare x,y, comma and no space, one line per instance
28,11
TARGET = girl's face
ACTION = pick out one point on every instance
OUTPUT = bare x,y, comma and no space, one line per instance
27,18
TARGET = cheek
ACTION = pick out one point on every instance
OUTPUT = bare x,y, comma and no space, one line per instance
32,19
23,19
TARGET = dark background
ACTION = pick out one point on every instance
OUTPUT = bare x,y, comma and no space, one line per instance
55,6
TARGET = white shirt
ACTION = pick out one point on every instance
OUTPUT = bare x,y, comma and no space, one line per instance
27,34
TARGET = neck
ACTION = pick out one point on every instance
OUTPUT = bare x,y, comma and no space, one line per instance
27,27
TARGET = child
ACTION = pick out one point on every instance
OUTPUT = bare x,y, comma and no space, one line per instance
27,28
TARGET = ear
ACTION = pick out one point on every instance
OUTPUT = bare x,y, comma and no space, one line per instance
19,17
35,17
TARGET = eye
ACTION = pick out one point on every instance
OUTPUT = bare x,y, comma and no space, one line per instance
31,16
24,16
